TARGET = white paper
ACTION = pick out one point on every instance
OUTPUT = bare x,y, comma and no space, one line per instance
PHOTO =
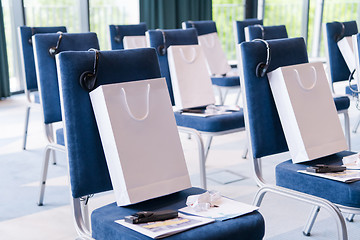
226,209
161,229
352,161
346,48
132,42
347,176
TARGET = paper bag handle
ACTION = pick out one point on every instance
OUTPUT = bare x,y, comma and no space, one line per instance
301,84
212,43
192,58
147,105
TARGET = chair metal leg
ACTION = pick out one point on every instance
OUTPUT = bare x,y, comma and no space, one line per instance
347,129
207,146
27,115
356,125
350,217
332,209
220,96
85,213
54,157
81,228
45,168
245,153
224,97
237,97
310,223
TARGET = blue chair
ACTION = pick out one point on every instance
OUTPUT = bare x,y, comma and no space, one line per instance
196,126
337,68
239,28
267,138
265,32
118,32
88,169
226,82
342,103
45,48
28,67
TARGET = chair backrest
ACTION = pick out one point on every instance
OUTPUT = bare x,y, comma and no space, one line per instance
337,65
46,67
88,168
26,48
266,32
202,27
239,28
262,119
118,32
171,37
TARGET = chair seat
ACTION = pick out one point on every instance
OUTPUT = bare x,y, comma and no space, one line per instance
226,81
349,92
216,123
60,136
346,194
249,226
342,102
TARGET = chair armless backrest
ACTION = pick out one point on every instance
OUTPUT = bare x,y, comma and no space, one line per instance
239,27
202,27
172,37
118,32
263,123
46,67
87,164
270,32
26,48
338,68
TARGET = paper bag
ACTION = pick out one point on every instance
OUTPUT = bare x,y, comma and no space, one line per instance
190,80
347,51
131,42
215,55
140,140
307,111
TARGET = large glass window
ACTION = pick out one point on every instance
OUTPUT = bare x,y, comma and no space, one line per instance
106,12
225,12
41,13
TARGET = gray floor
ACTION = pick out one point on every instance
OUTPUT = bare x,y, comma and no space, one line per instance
21,218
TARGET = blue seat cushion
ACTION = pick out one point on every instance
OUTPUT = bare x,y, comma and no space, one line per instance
249,226
346,194
60,137
349,92
342,102
226,81
215,123
36,97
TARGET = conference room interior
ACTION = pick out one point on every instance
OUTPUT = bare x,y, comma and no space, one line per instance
37,169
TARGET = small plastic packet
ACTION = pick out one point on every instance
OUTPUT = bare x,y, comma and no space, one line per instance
202,202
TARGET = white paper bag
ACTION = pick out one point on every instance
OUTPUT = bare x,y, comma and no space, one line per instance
131,42
140,140
307,111
215,56
347,51
190,80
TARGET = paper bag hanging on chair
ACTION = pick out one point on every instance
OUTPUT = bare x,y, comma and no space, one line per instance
140,140
307,111
132,42
347,51
190,80
215,56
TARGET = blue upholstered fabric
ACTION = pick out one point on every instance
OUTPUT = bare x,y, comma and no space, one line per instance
173,37
241,25
88,168
46,67
212,124
270,32
60,136
338,68
247,227
202,27
346,194
342,102
125,30
264,124
226,81
28,54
